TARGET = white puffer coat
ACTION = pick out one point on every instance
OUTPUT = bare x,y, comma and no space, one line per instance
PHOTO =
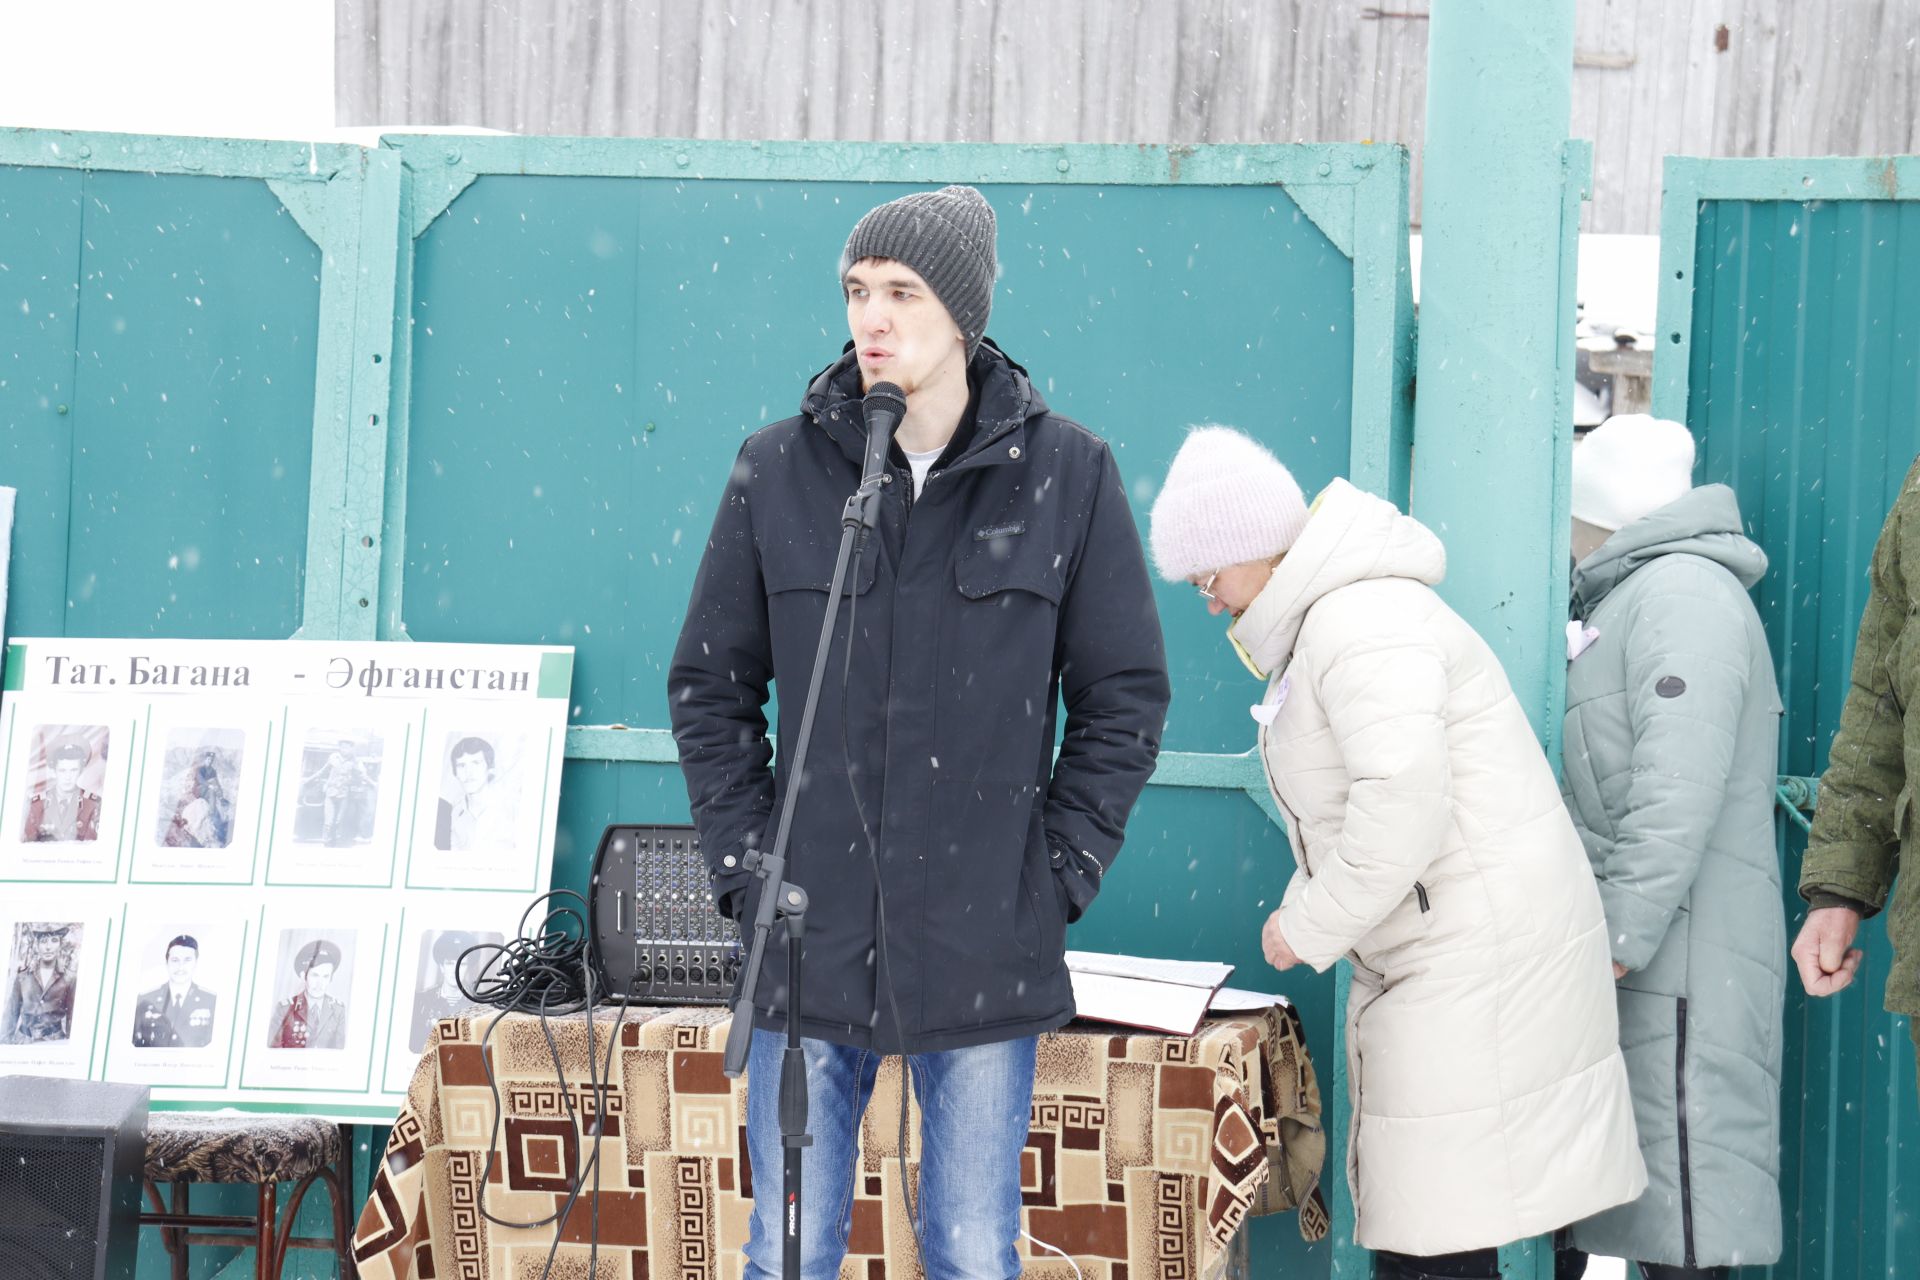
1489,1097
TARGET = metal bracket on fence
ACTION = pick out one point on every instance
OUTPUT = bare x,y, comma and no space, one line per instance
1798,797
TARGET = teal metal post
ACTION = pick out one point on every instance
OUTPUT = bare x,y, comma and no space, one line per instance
1492,426
1492,413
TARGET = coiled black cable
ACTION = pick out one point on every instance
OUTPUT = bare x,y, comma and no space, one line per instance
548,973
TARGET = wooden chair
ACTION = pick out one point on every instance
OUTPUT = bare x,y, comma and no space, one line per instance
186,1147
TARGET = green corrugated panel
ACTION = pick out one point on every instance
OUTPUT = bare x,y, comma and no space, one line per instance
1801,360
39,305
193,400
156,413
192,419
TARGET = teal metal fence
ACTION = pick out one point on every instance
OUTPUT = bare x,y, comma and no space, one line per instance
186,366
487,389
192,406
1790,344
595,325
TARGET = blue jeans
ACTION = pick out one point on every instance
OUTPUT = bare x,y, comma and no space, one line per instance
974,1107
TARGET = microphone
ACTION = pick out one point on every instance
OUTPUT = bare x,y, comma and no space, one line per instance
884,406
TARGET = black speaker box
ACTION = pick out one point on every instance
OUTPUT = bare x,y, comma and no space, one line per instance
71,1152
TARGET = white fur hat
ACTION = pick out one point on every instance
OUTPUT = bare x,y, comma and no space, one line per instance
1630,466
1226,500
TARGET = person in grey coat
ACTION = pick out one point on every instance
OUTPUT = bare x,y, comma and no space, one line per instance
1672,746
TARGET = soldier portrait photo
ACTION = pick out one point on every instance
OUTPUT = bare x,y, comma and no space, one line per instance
179,1013
314,966
339,787
66,771
479,792
437,978
198,786
41,980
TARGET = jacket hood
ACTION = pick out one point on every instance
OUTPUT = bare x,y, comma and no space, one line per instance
1703,522
1007,400
1351,536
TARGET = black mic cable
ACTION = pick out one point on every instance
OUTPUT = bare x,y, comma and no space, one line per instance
548,973
884,407
886,963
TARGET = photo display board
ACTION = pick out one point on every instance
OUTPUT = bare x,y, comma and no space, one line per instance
244,872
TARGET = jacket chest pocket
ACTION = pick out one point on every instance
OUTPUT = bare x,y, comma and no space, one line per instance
805,563
796,580
999,629
1008,564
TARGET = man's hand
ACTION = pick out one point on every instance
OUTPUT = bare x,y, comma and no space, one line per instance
1825,951
1619,971
1274,943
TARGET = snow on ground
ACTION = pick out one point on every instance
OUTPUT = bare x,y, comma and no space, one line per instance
1619,280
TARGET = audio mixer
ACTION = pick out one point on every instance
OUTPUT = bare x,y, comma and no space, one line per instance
660,938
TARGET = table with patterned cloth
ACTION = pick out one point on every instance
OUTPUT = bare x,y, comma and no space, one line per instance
1145,1156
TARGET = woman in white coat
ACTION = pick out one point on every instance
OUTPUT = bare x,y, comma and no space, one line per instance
1488,1093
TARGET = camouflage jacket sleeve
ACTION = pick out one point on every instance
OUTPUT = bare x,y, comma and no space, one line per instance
1854,850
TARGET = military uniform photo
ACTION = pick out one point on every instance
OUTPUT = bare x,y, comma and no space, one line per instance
179,1013
310,1018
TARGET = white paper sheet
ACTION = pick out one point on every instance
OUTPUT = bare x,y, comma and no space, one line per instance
1234,1000
1186,973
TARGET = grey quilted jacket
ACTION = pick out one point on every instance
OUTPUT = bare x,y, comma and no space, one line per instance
1672,743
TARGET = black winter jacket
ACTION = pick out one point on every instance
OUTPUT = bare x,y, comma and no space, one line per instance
1014,581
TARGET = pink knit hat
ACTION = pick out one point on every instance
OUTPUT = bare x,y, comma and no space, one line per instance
1226,500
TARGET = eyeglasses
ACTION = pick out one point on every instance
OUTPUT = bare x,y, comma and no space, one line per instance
1206,588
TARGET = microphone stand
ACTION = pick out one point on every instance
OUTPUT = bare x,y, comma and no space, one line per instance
788,902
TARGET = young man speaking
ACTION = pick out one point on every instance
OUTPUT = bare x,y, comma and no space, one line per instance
943,846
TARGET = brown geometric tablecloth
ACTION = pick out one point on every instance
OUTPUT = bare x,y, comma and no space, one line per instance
1146,1153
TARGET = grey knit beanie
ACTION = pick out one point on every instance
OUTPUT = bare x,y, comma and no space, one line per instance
946,237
